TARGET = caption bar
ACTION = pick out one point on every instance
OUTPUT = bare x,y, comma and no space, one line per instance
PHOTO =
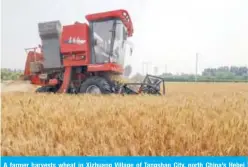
124,161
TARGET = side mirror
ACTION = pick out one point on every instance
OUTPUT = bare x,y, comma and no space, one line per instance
127,70
131,52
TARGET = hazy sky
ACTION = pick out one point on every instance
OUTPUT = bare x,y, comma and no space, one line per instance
166,32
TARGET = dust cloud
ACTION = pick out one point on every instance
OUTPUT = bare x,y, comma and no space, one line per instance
17,86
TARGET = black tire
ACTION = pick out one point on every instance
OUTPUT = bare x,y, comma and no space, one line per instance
101,83
45,89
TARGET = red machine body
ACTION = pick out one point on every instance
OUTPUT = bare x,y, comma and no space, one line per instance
75,54
80,51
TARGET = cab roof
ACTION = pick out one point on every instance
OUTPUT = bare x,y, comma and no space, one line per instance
122,14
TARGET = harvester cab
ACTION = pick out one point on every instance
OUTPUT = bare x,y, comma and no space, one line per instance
81,58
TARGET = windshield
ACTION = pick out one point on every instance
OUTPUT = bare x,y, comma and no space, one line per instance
109,41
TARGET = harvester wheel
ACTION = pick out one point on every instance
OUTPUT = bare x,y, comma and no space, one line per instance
95,85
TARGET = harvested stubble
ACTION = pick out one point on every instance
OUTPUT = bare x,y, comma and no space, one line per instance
193,119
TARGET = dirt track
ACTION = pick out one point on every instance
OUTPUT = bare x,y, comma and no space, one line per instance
17,86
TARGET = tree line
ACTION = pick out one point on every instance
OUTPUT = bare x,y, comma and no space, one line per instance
220,74
10,74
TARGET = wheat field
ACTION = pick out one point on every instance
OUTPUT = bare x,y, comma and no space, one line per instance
192,119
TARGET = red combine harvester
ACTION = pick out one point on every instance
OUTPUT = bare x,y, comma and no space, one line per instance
82,58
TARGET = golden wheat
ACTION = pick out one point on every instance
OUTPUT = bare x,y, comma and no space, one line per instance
192,119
